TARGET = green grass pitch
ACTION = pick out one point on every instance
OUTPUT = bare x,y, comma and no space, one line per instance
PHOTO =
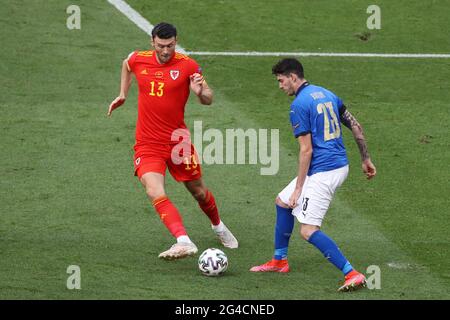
67,191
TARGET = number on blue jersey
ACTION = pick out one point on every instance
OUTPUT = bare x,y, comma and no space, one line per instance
331,129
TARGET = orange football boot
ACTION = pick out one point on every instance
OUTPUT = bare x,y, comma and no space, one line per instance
273,265
353,281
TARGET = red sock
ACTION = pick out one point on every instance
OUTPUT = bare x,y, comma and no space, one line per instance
210,209
170,216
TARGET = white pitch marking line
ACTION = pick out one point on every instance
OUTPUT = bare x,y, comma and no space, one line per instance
136,18
319,54
147,27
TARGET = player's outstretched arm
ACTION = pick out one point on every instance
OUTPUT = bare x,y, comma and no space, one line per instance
125,83
350,122
201,89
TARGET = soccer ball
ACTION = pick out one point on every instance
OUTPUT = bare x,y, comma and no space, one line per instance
213,262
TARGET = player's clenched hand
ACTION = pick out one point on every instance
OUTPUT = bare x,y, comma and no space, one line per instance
293,200
369,169
197,81
117,102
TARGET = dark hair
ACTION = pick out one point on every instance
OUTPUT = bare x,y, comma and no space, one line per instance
164,30
288,66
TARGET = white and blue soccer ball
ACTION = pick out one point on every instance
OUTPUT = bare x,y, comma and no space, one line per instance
213,262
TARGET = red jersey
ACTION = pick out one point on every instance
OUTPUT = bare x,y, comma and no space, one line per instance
163,93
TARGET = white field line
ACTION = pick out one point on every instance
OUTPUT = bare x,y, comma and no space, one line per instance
319,54
147,27
136,18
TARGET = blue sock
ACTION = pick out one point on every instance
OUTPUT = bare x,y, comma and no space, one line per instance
330,250
283,231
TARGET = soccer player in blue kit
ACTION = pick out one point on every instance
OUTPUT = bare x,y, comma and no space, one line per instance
316,116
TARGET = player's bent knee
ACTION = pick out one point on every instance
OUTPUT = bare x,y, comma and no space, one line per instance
306,231
154,193
199,195
305,234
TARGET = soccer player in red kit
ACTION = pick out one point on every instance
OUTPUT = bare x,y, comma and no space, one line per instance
165,79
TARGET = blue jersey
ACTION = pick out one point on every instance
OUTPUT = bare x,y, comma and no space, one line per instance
316,110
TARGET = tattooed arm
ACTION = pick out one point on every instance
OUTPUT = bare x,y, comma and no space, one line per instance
350,122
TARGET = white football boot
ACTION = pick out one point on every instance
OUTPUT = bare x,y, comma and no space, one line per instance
226,237
179,250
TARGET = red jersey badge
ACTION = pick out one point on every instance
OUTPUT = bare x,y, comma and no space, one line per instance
174,74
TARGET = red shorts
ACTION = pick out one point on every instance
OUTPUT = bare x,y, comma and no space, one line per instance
181,159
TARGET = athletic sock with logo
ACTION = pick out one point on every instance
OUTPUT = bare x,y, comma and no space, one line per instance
331,251
170,216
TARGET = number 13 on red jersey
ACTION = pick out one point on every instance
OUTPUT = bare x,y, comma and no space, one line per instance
156,88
